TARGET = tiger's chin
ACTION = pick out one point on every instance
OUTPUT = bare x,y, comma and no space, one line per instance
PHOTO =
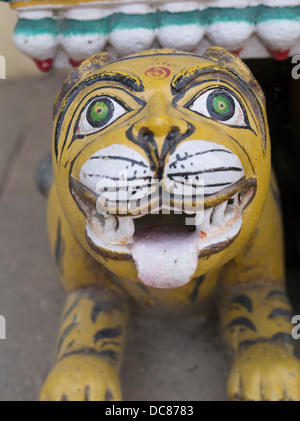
165,248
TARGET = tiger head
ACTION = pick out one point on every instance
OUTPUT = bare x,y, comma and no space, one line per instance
162,161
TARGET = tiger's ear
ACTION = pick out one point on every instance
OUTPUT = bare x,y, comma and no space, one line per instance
82,72
236,65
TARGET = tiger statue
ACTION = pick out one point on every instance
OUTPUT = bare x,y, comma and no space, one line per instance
175,118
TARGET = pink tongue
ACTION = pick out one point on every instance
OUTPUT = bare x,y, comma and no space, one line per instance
165,260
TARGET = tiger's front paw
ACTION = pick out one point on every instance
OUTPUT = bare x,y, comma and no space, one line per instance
82,378
264,372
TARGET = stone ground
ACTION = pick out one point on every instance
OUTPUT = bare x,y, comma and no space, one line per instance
163,361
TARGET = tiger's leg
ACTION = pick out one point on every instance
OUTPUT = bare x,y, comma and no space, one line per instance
89,348
257,326
93,324
256,318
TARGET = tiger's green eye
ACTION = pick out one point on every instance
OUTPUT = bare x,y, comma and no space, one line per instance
100,112
220,105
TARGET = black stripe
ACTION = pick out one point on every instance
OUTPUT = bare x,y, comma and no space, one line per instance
110,343
132,82
108,395
196,185
277,312
70,344
198,283
282,337
181,81
146,141
245,152
87,393
70,309
248,343
242,321
276,292
59,248
142,287
276,197
113,332
220,169
91,351
133,161
243,300
106,307
118,178
187,156
172,140
109,353
66,332
217,185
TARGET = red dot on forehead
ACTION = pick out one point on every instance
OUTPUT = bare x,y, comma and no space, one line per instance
158,72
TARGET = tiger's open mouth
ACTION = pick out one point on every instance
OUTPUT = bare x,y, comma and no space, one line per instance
166,247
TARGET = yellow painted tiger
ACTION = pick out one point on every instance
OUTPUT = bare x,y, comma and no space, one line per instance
128,135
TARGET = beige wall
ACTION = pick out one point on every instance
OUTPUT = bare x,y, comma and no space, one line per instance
17,64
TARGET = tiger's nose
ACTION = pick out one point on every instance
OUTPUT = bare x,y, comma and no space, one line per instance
161,118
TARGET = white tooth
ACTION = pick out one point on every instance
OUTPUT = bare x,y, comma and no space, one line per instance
230,209
218,215
98,223
195,219
125,230
205,226
110,226
199,218
236,199
115,230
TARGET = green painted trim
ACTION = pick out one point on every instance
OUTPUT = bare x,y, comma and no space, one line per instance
124,21
181,18
28,27
120,21
69,27
216,15
278,13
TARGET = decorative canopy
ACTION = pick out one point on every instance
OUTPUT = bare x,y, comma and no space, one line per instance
62,33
